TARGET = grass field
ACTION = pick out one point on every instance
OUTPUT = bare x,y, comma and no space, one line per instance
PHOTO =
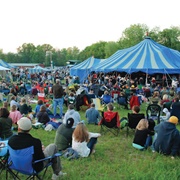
115,159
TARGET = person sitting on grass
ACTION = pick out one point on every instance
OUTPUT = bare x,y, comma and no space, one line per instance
167,141
39,104
143,136
42,115
63,138
83,141
92,115
15,115
5,124
71,113
24,108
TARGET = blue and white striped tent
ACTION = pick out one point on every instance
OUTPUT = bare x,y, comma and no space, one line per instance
83,69
6,65
37,69
147,56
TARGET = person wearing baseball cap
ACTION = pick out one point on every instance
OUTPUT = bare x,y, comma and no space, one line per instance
24,140
63,138
168,137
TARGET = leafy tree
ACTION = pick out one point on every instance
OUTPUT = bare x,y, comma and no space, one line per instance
110,48
2,55
133,35
26,52
97,50
171,37
154,34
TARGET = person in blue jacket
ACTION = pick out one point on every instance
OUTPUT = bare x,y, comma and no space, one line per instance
168,137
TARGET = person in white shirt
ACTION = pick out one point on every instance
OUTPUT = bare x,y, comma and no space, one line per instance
83,142
167,115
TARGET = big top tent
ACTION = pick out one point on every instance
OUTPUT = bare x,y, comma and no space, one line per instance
83,69
147,56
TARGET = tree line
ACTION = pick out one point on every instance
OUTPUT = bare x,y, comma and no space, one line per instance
132,35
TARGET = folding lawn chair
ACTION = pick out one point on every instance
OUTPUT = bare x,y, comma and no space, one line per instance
21,161
41,96
28,88
153,111
3,155
133,120
98,105
110,122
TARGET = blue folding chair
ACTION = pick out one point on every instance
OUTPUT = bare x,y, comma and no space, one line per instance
3,155
28,88
21,161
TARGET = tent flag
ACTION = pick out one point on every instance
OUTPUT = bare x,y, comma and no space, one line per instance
146,56
83,69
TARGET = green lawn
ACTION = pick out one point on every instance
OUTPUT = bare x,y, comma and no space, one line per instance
115,158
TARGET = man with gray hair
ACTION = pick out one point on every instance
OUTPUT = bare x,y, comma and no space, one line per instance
58,99
71,113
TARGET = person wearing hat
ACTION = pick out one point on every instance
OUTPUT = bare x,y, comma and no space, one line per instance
24,140
63,138
168,138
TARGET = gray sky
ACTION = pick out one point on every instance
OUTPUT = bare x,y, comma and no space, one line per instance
68,23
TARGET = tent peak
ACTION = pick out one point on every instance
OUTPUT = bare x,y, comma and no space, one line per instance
147,37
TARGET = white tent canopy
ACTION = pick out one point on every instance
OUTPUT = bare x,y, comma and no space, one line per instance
3,68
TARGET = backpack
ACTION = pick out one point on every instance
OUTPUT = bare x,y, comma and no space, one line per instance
123,122
70,154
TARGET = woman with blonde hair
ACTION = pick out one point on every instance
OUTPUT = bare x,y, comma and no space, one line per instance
165,99
155,99
143,136
83,141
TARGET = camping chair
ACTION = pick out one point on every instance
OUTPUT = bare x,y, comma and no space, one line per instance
98,105
21,161
153,111
122,101
28,88
110,122
3,155
41,96
82,100
106,99
2,97
133,120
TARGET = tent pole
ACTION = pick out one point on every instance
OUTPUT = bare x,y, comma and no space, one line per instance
146,77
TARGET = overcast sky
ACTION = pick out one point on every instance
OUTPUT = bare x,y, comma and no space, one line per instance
80,23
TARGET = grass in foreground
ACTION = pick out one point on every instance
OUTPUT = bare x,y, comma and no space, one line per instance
115,158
